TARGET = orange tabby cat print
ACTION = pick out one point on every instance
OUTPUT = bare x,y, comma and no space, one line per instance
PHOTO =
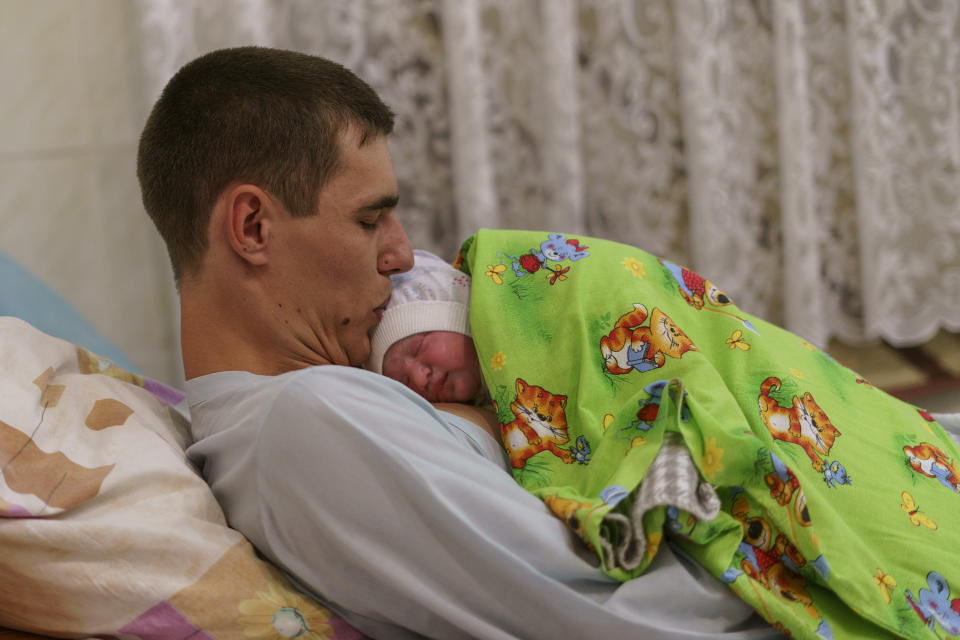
933,462
631,346
540,425
805,423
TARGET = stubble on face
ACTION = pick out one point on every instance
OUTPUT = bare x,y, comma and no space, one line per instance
334,281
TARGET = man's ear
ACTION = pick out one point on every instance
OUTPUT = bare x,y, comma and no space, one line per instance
248,221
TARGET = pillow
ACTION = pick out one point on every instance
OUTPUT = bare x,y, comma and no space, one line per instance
106,528
27,297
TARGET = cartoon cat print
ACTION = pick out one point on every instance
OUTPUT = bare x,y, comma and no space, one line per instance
805,423
631,346
933,462
540,425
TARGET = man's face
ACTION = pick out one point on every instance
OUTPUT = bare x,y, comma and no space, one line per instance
441,366
330,272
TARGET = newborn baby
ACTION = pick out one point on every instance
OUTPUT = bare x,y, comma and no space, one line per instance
424,339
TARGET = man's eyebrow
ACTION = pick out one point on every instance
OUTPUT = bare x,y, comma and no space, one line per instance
386,202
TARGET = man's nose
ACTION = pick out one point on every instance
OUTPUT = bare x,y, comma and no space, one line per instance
396,254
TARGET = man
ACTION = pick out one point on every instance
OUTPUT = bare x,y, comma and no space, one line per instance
268,175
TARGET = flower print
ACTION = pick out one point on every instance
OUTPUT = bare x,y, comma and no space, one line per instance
710,463
558,275
884,581
280,613
498,360
634,266
494,272
736,341
461,280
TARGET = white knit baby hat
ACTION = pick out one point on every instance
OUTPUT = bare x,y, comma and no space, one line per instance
432,296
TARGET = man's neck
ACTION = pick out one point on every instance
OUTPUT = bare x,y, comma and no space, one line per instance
218,334
207,347
223,328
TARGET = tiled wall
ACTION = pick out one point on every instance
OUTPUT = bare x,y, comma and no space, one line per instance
72,107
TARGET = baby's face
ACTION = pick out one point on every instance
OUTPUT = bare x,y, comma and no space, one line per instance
441,366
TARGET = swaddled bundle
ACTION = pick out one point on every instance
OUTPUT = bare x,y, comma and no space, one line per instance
639,402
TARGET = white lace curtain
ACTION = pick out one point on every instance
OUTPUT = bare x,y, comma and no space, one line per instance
804,155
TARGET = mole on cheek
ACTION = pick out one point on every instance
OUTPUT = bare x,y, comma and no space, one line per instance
346,321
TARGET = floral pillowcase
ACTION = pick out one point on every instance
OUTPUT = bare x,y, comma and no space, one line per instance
106,527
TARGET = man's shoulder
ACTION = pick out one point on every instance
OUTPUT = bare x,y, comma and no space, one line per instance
344,394
330,383
238,400
347,409
324,380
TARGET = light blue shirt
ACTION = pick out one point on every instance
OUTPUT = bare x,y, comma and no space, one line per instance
405,520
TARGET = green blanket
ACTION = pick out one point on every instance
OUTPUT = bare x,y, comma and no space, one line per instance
639,402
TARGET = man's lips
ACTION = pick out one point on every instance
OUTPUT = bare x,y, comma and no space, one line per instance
378,311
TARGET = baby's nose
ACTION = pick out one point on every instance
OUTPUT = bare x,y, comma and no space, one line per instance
420,376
